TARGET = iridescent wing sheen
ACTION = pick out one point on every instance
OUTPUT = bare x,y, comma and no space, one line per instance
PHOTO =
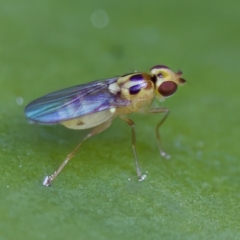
74,102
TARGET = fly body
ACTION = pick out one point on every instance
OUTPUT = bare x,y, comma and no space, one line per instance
94,105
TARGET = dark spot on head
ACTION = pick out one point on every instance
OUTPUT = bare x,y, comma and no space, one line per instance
159,66
136,77
135,89
154,78
168,88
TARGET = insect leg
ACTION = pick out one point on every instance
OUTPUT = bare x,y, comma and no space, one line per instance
131,124
48,179
160,110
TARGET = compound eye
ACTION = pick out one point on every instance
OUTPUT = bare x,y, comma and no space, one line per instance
167,88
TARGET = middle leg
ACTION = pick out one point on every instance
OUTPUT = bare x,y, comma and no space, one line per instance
131,124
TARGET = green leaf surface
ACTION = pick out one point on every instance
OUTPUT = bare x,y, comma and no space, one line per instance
49,45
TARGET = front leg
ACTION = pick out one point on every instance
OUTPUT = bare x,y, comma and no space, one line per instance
166,112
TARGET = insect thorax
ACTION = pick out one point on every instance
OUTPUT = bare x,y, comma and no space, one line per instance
138,88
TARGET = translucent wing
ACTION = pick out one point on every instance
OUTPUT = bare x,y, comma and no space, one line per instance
74,102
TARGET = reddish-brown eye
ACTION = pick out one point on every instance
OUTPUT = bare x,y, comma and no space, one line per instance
168,88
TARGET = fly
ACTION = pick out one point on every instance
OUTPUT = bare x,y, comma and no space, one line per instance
94,106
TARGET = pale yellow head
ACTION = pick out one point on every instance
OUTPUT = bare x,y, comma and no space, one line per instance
166,81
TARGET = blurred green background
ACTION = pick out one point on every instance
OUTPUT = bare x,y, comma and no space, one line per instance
49,45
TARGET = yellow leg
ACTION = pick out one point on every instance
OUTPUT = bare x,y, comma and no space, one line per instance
48,179
131,124
160,110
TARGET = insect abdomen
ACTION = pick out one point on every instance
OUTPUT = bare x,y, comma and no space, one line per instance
89,121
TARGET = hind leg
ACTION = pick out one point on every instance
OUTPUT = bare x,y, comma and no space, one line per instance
48,179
